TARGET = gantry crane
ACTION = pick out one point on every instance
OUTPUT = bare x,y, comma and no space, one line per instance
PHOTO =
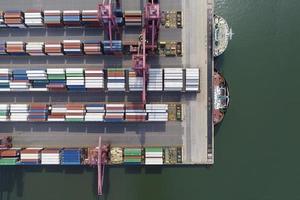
148,43
152,18
107,17
139,64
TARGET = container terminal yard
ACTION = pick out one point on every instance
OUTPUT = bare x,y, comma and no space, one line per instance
107,83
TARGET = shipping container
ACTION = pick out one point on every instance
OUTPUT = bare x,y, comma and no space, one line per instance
157,112
173,79
8,161
133,17
52,18
115,79
35,48
72,18
14,19
94,79
71,156
155,82
16,48
34,18
90,18
192,79
92,47
72,47
53,49
75,79
50,156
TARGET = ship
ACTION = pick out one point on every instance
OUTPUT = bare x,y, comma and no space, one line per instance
221,97
222,35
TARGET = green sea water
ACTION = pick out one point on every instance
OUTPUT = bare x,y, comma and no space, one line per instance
256,146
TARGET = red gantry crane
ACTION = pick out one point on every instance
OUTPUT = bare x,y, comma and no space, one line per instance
148,42
108,19
151,24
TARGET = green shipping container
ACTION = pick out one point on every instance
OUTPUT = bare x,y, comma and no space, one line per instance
153,149
74,74
135,160
132,151
74,120
56,77
8,161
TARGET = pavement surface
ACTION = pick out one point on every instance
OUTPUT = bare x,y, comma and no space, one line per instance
192,132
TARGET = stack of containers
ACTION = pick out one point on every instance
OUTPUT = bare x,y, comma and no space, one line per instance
72,18
38,79
136,82
92,47
75,112
71,156
2,48
72,47
50,157
34,18
115,79
114,47
30,156
14,18
9,156
94,112
52,18
35,48
4,79
57,79
192,79
155,82
94,79
173,79
38,112
15,48
2,23
133,17
53,49
90,18
57,113
153,156
20,80
114,112
132,156
75,79
18,112
4,112
135,112
157,112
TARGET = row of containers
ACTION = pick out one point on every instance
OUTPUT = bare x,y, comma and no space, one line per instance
96,112
110,79
73,48
70,18
66,47
83,156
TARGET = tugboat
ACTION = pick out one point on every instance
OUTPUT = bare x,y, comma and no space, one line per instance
221,98
222,35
